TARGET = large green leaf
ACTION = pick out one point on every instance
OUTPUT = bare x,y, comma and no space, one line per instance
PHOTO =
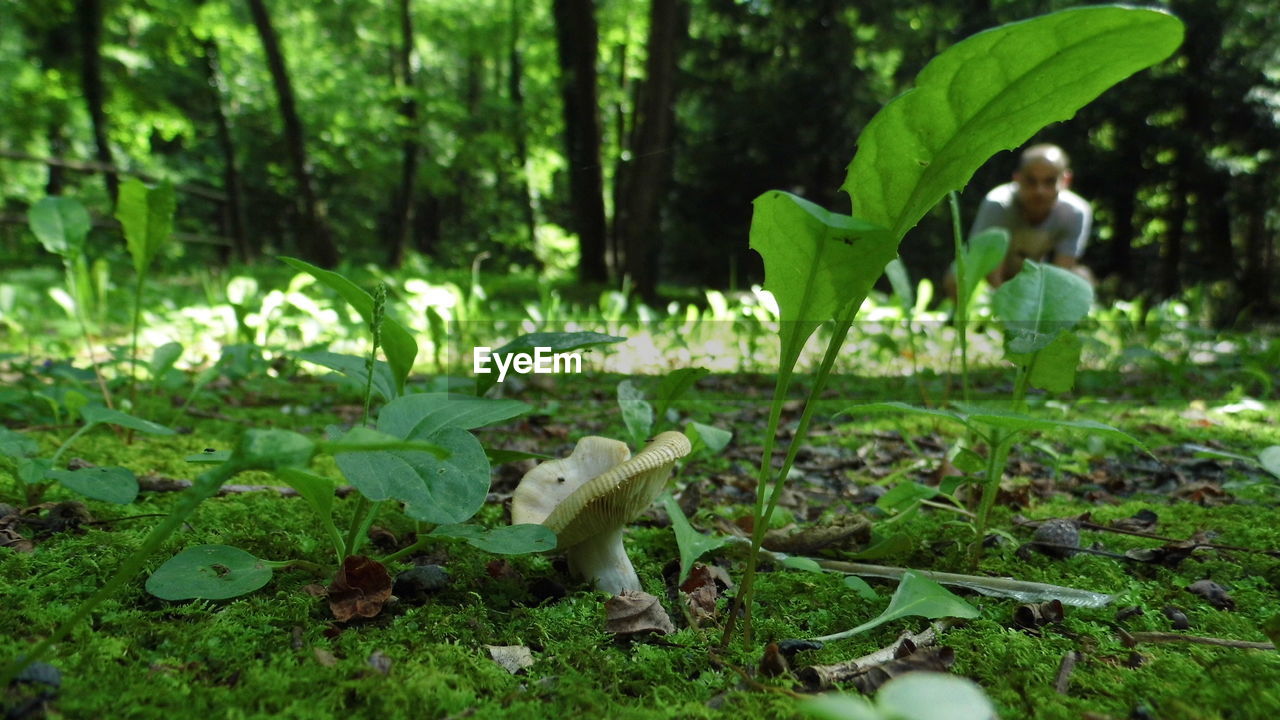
146,215
992,92
397,343
61,224
271,449
110,484
816,263
208,572
433,490
1055,364
1040,302
421,415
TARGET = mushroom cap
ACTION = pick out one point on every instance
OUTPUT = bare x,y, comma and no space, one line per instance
606,501
549,483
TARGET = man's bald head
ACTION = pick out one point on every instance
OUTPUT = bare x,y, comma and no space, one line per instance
1044,153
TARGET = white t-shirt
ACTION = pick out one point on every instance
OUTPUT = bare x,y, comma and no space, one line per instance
1064,232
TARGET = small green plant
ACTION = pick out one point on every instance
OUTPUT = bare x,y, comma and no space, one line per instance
36,474
146,215
1038,309
988,93
62,224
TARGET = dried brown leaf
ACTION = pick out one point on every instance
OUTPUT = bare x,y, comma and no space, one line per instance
635,612
1214,593
360,589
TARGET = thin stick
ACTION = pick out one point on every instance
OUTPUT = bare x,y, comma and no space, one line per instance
821,677
1165,637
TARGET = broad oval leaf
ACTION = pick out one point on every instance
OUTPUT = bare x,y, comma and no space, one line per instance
983,254
1270,460
163,359
1040,302
992,92
507,540
712,438
916,596
61,224
905,409
96,414
433,490
146,215
208,572
637,413
397,343
816,263
421,415
934,696
109,484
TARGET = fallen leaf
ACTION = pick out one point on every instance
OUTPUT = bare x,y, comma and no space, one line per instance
1141,521
360,589
513,658
418,582
635,612
1057,537
1214,593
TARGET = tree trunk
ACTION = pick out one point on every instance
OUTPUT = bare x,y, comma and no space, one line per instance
315,240
577,40
515,93
637,219
1171,258
89,15
233,209
403,211
1259,269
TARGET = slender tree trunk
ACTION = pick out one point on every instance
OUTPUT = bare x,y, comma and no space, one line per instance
1259,270
233,209
57,148
1171,258
578,43
402,214
89,14
515,93
638,214
315,240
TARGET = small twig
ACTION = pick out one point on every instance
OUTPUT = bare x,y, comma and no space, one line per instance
1131,639
120,519
155,483
1064,671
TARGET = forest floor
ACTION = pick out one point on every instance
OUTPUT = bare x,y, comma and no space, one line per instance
279,652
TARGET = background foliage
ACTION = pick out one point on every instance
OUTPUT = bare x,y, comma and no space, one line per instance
1180,162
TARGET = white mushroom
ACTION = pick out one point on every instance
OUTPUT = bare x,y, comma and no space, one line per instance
588,498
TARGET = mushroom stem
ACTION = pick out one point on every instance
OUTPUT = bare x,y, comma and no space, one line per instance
603,560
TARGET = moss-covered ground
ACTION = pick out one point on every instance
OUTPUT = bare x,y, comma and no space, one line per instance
278,653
